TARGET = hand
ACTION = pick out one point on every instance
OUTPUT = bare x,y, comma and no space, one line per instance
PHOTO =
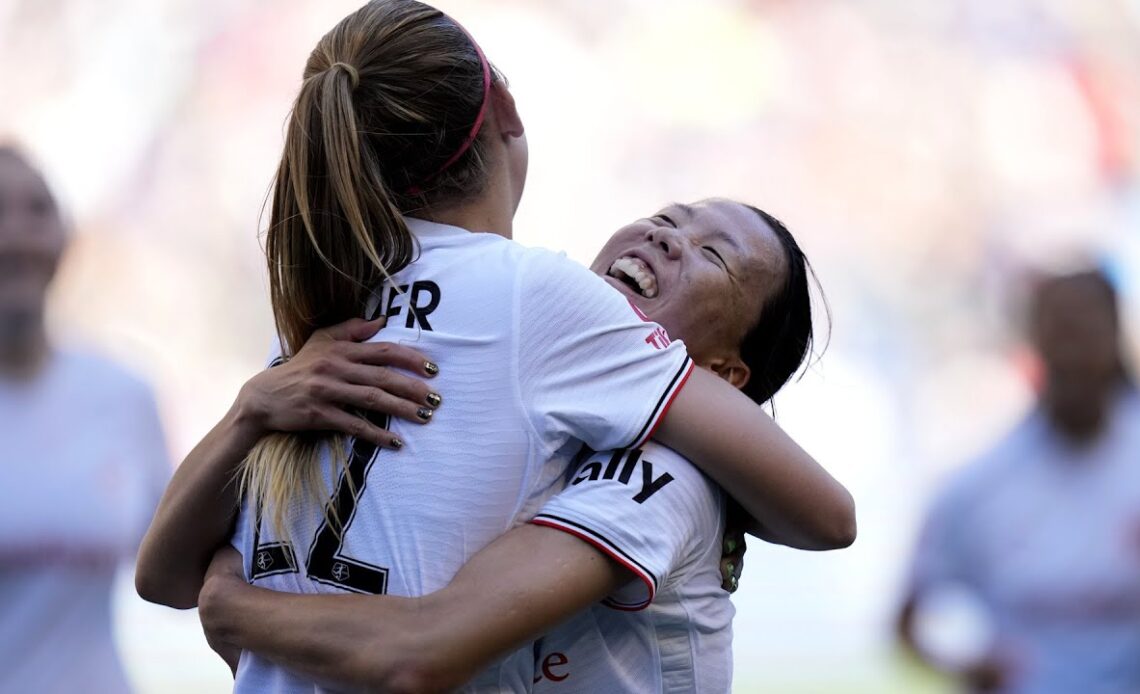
336,372
226,573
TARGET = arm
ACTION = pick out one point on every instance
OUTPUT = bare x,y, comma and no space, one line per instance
518,587
312,391
986,674
427,644
784,489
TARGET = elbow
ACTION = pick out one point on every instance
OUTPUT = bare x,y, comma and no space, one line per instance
155,587
842,527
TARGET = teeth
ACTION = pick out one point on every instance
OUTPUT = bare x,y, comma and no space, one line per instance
638,271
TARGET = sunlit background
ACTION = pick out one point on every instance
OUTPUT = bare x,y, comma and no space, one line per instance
929,156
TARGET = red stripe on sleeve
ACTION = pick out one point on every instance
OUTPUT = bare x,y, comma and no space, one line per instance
612,555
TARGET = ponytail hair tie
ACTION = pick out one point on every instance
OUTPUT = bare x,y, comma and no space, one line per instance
353,74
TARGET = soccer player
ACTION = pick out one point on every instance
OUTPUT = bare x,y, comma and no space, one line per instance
404,162
1043,530
631,523
83,465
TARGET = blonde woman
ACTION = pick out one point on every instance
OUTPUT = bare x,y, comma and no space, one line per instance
404,162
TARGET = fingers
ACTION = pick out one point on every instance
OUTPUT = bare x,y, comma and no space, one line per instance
391,354
360,428
355,329
393,383
381,400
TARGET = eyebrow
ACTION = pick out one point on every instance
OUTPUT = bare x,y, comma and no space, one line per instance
733,260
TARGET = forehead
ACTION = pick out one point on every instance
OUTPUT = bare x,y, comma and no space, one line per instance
18,177
1074,300
741,231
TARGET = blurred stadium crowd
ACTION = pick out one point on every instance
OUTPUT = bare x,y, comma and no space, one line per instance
933,159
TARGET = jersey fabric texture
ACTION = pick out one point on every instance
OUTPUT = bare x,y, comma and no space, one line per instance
671,629
1048,537
537,355
82,469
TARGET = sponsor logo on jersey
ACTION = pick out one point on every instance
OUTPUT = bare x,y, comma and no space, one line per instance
658,339
621,466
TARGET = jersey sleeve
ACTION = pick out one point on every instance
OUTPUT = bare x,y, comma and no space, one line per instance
589,365
648,509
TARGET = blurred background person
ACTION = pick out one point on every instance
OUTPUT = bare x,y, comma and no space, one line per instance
1044,530
82,465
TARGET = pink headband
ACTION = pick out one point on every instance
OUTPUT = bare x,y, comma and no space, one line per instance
470,139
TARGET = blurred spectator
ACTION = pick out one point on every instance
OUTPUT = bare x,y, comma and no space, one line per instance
82,464
1044,531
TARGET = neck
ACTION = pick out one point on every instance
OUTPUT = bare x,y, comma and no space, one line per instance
491,211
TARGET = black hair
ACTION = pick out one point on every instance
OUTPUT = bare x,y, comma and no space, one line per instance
1100,282
781,339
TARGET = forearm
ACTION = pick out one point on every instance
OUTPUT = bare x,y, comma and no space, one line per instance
792,498
342,640
513,591
195,515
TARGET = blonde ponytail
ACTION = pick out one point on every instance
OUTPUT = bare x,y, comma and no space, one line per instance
373,136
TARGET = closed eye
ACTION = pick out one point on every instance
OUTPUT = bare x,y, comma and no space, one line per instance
719,257
668,221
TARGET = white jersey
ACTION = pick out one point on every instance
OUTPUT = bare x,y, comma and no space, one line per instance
1048,537
82,467
669,631
537,354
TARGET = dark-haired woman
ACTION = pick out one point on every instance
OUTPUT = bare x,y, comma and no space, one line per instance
82,466
641,527
404,162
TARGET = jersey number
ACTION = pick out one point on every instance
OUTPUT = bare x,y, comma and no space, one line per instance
326,563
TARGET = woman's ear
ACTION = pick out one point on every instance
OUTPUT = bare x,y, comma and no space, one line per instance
731,369
506,114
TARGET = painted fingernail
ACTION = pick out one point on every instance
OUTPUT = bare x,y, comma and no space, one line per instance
424,413
731,569
735,583
396,443
431,368
434,400
729,545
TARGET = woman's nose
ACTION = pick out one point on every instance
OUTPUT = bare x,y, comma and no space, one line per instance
666,240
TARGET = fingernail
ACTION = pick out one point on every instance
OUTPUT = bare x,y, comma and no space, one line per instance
396,443
431,368
731,569
729,546
434,400
735,583
424,413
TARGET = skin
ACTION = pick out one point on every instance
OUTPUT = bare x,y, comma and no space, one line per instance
710,423
438,642
1075,331
715,263
32,240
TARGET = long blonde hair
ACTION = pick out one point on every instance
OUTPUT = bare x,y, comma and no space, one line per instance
389,97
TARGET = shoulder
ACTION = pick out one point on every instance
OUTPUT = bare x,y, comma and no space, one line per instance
1012,455
541,267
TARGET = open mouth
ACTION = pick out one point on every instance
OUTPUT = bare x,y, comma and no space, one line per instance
635,274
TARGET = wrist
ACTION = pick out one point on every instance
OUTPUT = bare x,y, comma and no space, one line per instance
217,606
247,417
